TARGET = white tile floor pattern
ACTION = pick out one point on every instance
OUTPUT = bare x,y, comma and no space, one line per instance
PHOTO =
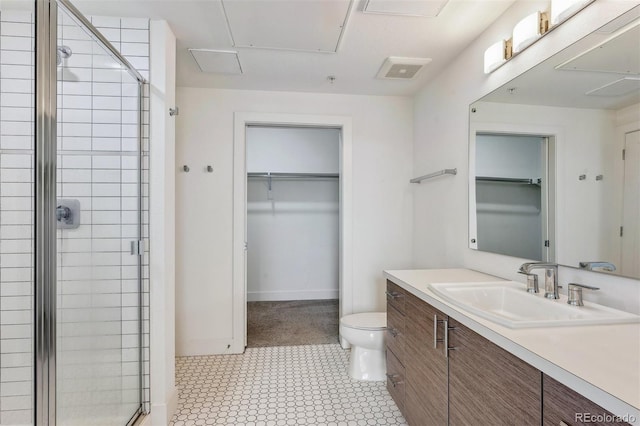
284,385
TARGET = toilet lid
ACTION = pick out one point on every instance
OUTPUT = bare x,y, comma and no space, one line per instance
365,321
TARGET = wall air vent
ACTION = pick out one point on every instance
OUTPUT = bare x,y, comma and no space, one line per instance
402,68
217,61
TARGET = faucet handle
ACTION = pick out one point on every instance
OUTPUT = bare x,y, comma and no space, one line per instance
532,282
575,293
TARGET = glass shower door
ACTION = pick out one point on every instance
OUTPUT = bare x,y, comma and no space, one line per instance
98,358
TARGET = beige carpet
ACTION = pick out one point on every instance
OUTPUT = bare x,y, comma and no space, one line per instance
290,323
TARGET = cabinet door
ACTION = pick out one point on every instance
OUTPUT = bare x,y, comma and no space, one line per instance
565,406
488,385
425,366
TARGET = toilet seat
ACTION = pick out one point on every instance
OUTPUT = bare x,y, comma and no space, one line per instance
365,321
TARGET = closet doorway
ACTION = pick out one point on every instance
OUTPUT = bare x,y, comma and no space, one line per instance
292,227
293,203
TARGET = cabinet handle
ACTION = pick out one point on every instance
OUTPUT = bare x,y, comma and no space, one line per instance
446,338
447,329
436,321
392,378
393,294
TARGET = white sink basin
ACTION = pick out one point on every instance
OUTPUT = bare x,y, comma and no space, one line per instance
507,303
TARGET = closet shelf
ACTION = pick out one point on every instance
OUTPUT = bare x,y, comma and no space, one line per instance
269,175
525,181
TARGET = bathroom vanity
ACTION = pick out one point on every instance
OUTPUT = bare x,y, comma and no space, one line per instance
446,365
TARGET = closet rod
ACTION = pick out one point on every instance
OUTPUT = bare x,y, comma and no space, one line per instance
525,181
294,175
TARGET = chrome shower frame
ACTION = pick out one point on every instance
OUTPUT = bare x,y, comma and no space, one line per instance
45,286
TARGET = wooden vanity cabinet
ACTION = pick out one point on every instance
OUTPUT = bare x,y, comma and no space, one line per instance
478,383
564,406
425,364
488,384
395,343
473,381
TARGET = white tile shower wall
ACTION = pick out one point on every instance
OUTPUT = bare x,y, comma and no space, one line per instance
16,216
98,321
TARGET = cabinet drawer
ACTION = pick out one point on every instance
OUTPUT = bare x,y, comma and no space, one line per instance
562,405
395,335
395,380
396,296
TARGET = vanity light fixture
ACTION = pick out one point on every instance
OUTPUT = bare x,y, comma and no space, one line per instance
529,30
496,55
561,10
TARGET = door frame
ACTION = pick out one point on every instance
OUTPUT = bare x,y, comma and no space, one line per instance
239,290
550,195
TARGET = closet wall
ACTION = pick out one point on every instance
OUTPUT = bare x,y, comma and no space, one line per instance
292,228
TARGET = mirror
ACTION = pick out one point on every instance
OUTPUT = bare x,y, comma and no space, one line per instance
555,157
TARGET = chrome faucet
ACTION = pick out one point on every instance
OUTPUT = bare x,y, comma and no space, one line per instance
551,286
592,266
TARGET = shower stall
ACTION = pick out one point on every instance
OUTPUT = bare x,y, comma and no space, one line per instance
73,217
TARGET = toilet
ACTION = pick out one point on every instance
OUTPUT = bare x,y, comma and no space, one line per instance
365,333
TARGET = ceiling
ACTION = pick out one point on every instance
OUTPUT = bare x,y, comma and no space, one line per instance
366,41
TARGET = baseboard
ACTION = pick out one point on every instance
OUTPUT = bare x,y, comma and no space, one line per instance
272,296
161,414
210,347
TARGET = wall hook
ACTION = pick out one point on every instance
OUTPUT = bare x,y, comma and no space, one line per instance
599,177
185,168
174,111
582,177
210,169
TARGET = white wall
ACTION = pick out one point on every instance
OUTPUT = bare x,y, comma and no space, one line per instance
441,123
382,200
293,149
164,395
292,230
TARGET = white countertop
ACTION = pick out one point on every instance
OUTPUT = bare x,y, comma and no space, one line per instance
601,362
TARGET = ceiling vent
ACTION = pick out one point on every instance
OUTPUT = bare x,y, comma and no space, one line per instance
217,61
622,87
402,68
302,25
606,57
422,8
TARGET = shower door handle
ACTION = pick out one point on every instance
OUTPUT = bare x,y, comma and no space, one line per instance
137,248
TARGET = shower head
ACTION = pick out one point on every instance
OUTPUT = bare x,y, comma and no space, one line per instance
64,52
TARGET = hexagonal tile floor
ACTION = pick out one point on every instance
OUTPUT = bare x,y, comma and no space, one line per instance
284,385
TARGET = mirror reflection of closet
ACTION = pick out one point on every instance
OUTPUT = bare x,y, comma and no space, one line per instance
510,189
